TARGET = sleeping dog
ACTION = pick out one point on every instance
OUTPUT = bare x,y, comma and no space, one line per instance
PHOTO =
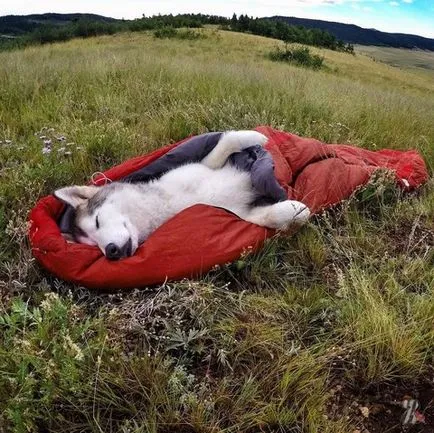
120,216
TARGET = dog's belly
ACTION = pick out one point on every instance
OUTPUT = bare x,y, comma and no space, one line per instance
226,187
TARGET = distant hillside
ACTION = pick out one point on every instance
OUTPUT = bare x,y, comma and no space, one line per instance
19,31
19,24
353,34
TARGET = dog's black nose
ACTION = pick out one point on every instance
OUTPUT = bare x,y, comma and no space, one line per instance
112,252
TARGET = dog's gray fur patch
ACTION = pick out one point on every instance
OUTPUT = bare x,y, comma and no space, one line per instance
100,197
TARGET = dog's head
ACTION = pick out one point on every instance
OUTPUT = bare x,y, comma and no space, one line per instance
99,220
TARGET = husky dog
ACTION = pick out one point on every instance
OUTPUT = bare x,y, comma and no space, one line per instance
119,216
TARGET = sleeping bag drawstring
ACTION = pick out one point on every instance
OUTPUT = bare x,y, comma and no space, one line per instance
102,179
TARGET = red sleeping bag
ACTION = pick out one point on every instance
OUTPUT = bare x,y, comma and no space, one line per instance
192,242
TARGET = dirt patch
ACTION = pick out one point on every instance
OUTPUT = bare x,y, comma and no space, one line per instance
381,410
412,237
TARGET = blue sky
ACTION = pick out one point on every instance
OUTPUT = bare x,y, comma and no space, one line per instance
403,16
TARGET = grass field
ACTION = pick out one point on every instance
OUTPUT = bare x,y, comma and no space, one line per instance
400,57
325,331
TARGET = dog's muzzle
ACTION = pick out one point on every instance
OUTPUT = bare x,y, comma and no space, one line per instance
113,252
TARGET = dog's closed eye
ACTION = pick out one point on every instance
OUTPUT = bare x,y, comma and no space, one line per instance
97,222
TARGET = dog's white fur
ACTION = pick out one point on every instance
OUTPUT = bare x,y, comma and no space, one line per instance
133,211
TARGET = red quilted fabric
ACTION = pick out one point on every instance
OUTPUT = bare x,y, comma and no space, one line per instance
320,175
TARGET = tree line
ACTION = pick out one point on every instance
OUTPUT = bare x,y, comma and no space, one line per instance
84,28
288,33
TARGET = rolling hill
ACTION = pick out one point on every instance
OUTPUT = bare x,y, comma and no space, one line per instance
353,34
16,25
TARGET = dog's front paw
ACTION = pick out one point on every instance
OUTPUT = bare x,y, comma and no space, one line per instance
244,139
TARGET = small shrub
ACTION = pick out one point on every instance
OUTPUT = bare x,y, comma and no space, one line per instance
165,33
300,56
171,33
378,196
190,34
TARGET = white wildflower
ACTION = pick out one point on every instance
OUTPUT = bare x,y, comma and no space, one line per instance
50,299
74,348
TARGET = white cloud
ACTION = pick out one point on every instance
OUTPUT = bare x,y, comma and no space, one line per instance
407,1
394,3
353,3
357,7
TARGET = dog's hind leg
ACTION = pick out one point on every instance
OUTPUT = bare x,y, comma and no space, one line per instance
232,142
280,215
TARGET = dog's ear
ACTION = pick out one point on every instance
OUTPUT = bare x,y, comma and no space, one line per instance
75,195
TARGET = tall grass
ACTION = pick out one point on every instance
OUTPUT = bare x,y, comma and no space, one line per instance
272,342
